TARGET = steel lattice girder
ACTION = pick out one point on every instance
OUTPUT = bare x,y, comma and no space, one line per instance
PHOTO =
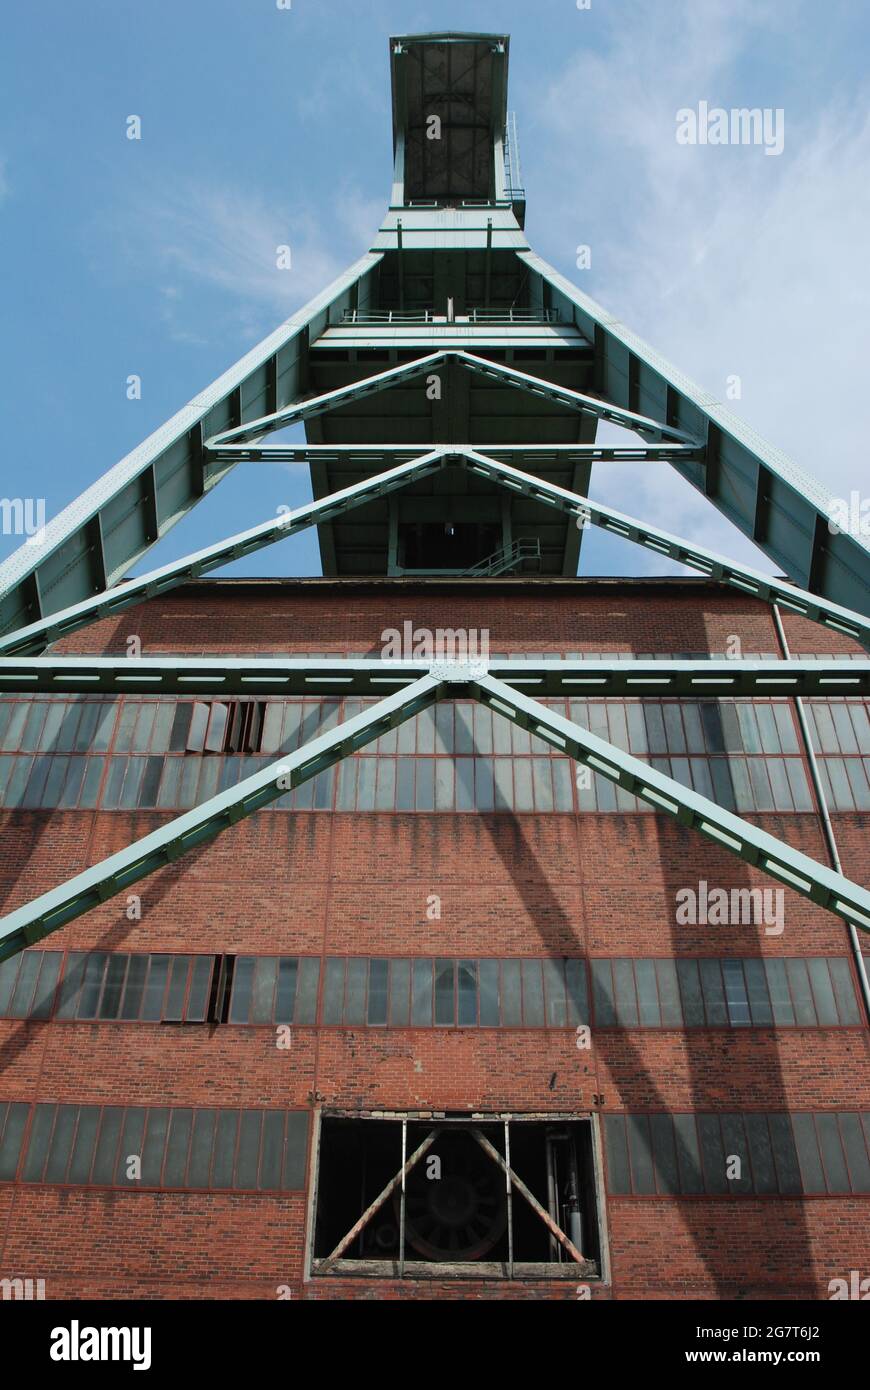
451,680
815,881
93,542
757,487
370,455
79,894
719,567
103,605
218,676
406,371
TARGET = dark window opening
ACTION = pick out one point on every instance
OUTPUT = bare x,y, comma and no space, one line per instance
456,1210
234,726
446,545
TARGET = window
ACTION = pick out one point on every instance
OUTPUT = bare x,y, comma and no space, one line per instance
446,993
780,1154
732,992
378,992
274,989
178,1147
135,988
13,1120
172,754
474,1198
28,982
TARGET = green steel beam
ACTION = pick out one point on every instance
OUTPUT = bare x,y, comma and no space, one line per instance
749,581
215,677
757,487
370,455
328,400
94,541
577,400
406,371
823,886
86,890
718,567
52,910
36,635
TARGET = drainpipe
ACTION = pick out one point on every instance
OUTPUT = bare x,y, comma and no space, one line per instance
827,826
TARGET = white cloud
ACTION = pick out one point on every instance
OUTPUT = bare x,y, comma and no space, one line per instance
198,238
726,260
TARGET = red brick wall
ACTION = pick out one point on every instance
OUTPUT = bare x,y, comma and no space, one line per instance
510,885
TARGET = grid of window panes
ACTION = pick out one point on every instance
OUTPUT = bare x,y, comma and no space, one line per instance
106,985
726,992
274,989
438,992
456,756
691,992
178,1147
660,992
824,1153
840,733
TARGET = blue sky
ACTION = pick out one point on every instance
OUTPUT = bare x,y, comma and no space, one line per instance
263,126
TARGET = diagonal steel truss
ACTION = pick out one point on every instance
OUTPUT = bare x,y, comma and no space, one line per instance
583,509
643,425
422,683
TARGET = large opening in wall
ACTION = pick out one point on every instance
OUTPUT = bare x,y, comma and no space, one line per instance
446,545
404,1196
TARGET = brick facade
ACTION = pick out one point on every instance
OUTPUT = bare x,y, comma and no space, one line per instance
511,884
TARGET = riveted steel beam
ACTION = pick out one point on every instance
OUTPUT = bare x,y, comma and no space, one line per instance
36,635
752,483
576,400
335,676
329,400
536,386
719,567
754,846
93,542
370,455
79,894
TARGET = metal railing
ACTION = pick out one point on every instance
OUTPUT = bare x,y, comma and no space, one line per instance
525,552
378,317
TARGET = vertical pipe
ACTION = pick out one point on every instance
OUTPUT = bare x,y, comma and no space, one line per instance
488,264
508,1197
552,1197
827,826
402,1199
400,263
